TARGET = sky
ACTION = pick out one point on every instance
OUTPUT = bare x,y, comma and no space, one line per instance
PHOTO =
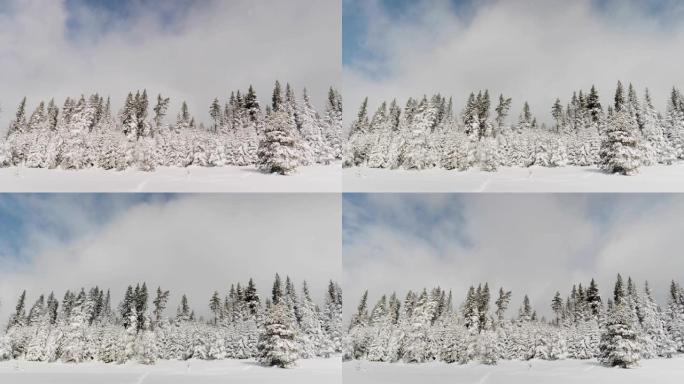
192,244
533,244
191,50
533,50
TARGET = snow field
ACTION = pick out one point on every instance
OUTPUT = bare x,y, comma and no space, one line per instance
313,178
661,371
317,370
657,178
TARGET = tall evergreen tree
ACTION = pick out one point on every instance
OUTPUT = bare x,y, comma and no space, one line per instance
277,291
619,345
18,318
619,97
619,146
159,303
277,98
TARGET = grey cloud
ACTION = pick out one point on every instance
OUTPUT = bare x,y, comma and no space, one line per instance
531,244
211,50
529,50
194,244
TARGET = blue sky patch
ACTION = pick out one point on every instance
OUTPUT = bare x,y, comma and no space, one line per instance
62,216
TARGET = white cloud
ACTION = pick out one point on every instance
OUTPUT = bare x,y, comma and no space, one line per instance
528,243
194,244
529,50
217,46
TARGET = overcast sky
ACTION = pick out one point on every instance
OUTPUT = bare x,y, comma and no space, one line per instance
533,50
191,244
191,50
528,243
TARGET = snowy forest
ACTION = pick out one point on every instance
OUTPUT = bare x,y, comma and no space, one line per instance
629,133
285,327
618,332
84,133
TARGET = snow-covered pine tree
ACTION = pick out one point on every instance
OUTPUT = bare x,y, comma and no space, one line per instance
160,111
380,138
502,109
656,341
159,303
38,346
619,340
215,112
18,124
675,316
332,315
18,318
525,312
277,344
312,132
252,299
332,122
315,342
183,120
525,119
128,338
75,344
381,332
280,150
147,348
619,147
501,303
674,122
356,150
417,149
416,340
183,313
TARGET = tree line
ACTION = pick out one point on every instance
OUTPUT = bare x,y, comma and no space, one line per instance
427,133
84,133
426,326
84,326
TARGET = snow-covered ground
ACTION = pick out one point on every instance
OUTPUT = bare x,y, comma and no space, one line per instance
170,372
659,178
314,178
661,371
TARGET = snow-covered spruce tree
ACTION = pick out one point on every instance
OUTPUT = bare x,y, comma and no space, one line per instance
619,340
280,150
619,147
183,312
381,331
74,349
332,315
147,348
359,336
314,341
674,122
661,150
277,345
379,138
311,129
675,316
656,341
110,348
128,338
356,149
416,341
332,122
38,346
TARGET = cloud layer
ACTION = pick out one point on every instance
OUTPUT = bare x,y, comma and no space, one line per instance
530,50
49,49
528,243
192,244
